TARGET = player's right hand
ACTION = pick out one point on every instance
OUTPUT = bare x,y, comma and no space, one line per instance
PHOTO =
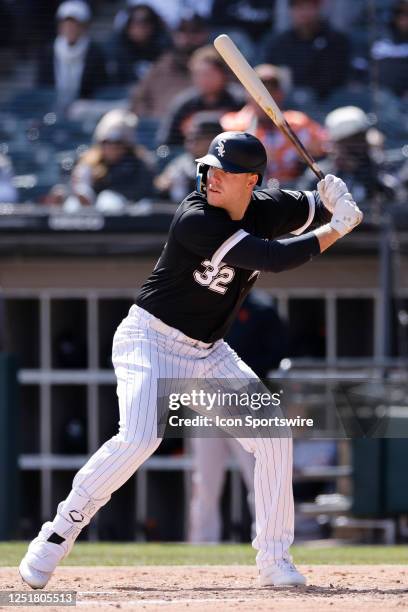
330,189
346,215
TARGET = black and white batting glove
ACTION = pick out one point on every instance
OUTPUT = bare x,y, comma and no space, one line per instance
330,189
346,215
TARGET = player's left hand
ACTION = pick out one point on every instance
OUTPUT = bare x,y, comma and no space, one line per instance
331,189
346,215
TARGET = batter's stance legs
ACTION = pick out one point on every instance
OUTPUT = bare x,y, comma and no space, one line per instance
141,356
110,467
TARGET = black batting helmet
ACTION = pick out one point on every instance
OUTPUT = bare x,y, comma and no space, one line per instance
235,152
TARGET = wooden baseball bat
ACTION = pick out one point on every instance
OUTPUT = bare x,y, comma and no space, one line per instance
253,84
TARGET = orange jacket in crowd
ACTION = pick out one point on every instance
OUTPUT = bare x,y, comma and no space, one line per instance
283,160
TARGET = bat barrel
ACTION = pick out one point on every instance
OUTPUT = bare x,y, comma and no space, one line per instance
253,84
247,75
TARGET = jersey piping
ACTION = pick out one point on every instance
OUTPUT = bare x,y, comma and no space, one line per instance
312,207
226,246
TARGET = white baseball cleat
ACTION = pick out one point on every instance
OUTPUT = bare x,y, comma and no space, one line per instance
42,558
282,573
33,577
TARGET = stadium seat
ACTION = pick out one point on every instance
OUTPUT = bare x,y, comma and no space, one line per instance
35,168
31,103
112,92
9,126
64,135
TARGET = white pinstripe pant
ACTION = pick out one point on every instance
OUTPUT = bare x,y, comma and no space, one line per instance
144,351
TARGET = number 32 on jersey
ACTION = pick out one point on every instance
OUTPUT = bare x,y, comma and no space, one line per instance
215,278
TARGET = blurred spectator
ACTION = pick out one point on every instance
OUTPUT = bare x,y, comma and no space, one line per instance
391,52
170,73
137,45
210,92
355,145
317,55
343,15
8,193
253,17
178,178
114,170
259,335
171,12
74,65
284,163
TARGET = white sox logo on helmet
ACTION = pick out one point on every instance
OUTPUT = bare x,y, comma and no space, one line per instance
221,148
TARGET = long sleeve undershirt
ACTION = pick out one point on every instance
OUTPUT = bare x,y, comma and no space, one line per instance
253,253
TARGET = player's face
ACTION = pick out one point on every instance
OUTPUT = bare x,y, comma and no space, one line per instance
226,189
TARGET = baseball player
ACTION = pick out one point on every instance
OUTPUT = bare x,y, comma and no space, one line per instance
221,236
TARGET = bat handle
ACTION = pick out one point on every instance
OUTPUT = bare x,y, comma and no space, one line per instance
315,168
303,152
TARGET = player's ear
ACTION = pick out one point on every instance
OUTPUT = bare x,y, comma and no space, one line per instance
252,180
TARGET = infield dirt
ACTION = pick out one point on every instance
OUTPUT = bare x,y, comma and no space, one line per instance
210,588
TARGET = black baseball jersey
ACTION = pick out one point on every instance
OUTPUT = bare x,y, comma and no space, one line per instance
210,261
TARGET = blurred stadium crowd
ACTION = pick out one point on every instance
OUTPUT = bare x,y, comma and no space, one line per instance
108,103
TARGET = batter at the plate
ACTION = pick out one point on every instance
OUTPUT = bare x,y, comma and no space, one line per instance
221,236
